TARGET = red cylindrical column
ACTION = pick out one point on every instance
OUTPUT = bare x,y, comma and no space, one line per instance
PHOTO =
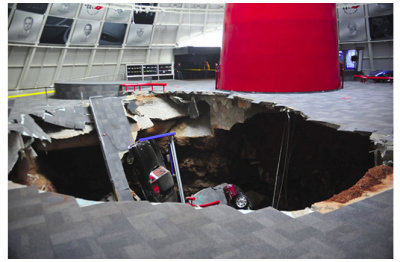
279,48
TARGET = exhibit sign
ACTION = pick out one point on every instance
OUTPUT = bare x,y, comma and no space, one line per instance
92,11
25,27
351,59
351,11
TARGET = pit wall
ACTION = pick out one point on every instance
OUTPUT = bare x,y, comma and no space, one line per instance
243,144
223,139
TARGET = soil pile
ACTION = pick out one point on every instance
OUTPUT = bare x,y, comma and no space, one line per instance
373,177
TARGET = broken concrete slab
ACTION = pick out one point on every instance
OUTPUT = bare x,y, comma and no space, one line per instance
143,122
85,140
56,132
114,133
191,104
132,107
11,103
69,116
179,100
15,144
25,125
193,127
193,111
225,112
161,108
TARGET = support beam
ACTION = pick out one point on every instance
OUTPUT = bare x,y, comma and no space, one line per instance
93,53
31,53
108,113
122,51
27,64
370,51
64,52
151,40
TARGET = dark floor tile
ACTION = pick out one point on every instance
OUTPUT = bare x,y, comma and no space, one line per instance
269,214
27,241
112,223
291,252
141,251
15,213
318,249
168,240
74,249
119,239
71,232
242,226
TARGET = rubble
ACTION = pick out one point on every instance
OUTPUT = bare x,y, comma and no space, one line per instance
26,171
15,144
56,132
73,117
160,108
199,127
26,126
114,134
218,138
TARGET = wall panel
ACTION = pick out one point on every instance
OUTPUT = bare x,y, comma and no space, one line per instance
73,58
46,76
17,56
13,76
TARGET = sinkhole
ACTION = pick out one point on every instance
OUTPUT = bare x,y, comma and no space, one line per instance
275,156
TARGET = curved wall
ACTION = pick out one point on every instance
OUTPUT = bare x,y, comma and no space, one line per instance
279,48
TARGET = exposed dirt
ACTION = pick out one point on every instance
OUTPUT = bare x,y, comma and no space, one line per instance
373,177
376,180
26,172
143,99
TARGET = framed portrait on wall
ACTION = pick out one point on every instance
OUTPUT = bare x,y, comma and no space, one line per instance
352,30
25,27
139,35
86,32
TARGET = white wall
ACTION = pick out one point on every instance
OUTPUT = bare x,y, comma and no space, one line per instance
41,65
378,54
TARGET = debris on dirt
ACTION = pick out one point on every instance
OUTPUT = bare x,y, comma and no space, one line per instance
143,99
26,172
375,181
371,178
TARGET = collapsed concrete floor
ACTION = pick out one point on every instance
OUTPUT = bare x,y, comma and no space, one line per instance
57,137
273,153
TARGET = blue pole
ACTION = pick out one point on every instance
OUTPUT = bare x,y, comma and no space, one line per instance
170,159
157,136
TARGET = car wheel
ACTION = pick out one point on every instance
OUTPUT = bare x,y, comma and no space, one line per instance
240,201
